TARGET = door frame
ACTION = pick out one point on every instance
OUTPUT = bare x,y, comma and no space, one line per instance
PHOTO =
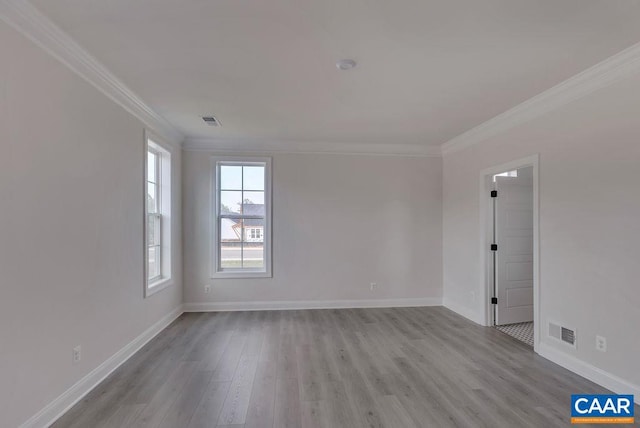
486,224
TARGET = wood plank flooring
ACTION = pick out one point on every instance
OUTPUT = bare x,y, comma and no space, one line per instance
399,367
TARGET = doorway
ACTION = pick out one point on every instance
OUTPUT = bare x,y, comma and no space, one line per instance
510,248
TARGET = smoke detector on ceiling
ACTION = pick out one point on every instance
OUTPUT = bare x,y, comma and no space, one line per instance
345,64
211,120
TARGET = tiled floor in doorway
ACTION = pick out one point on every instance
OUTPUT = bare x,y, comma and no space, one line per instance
522,331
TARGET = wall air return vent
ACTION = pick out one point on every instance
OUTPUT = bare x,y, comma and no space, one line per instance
211,120
563,334
568,336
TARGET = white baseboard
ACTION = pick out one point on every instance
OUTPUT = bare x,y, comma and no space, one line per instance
569,362
64,402
594,374
469,314
310,304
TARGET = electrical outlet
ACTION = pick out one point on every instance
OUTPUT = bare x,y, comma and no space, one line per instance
473,296
373,286
77,354
207,288
601,343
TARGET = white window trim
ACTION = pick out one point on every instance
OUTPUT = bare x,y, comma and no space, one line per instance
215,195
165,205
158,213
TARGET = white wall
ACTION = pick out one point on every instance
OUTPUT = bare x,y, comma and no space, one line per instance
71,258
340,222
589,223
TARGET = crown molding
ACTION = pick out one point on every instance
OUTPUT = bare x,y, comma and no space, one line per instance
605,73
28,20
269,146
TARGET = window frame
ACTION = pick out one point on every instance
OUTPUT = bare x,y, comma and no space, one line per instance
157,212
164,192
216,271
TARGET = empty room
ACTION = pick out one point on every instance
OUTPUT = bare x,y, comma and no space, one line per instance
319,214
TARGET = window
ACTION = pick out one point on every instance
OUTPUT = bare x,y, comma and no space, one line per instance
158,217
256,234
242,217
154,218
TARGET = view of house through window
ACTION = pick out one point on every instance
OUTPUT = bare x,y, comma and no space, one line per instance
242,216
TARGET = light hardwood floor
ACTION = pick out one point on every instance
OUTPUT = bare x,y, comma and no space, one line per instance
403,367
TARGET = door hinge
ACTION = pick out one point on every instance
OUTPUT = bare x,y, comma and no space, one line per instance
494,247
494,300
494,193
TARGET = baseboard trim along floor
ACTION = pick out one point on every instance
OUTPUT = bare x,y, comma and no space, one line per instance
311,304
54,410
586,370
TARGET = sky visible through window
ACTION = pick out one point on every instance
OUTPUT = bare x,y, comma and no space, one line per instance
240,183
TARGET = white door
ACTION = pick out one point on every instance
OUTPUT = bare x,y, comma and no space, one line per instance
514,257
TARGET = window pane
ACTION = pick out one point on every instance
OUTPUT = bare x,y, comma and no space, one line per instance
253,256
230,202
230,177
253,203
230,230
253,177
230,255
151,167
152,193
230,243
154,262
253,246
153,230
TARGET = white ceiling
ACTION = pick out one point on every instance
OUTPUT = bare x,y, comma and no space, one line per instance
428,70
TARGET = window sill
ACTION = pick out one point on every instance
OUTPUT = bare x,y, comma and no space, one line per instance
158,286
240,275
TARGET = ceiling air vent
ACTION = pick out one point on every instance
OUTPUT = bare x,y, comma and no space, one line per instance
211,120
564,334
